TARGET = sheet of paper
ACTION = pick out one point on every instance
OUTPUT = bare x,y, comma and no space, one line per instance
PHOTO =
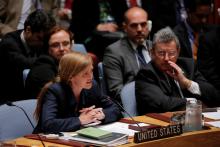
212,115
118,127
214,123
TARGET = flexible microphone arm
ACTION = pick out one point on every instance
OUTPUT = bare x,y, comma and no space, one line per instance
122,109
11,104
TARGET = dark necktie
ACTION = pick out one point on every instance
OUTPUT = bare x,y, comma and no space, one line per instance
141,56
176,89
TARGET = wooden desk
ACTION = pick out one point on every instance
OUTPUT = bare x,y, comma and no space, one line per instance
34,143
206,138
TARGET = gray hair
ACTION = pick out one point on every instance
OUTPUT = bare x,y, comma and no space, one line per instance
165,35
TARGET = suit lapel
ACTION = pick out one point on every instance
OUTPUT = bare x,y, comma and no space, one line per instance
186,38
131,55
162,81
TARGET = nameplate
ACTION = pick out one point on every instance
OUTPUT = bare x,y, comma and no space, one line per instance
158,133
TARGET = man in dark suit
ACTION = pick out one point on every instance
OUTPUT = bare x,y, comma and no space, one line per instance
19,50
195,25
121,59
209,57
167,81
58,42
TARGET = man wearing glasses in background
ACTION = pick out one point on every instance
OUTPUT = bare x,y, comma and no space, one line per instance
58,42
167,81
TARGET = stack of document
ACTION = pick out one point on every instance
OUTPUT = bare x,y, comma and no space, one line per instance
112,134
99,137
215,116
94,133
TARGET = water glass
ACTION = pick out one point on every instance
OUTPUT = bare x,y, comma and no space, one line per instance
193,117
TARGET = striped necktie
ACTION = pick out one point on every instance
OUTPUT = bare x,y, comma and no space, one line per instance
141,58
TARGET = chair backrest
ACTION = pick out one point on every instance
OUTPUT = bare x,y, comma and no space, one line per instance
13,121
128,99
79,48
102,81
25,74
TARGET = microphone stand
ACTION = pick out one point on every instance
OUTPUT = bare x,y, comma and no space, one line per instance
11,104
122,109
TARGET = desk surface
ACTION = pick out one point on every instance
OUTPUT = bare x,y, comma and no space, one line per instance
204,138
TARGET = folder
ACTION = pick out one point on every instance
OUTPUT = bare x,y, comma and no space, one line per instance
94,133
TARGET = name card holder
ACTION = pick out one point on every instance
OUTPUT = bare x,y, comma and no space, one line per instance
158,133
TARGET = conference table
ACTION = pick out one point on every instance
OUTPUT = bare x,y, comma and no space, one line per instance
208,137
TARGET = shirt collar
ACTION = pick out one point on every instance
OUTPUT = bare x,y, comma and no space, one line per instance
24,41
134,45
189,29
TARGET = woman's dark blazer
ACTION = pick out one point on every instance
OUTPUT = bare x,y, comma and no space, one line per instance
60,111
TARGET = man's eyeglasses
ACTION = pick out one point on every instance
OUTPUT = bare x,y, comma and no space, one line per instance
163,54
59,44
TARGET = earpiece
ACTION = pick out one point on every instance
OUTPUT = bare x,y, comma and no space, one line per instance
149,25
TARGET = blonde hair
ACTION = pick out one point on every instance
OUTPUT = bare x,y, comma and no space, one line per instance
70,65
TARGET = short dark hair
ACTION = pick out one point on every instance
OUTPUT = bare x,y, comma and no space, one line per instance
39,21
191,5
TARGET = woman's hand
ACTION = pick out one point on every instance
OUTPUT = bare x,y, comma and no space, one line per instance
87,109
99,113
90,115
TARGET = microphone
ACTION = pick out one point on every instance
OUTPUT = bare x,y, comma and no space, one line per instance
123,110
11,104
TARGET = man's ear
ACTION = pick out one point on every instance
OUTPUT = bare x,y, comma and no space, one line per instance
27,32
28,29
124,25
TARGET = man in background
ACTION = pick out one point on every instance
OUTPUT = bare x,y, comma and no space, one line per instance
168,80
58,42
195,25
19,50
209,56
123,59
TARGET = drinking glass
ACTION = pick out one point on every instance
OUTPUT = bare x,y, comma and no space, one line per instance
193,117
